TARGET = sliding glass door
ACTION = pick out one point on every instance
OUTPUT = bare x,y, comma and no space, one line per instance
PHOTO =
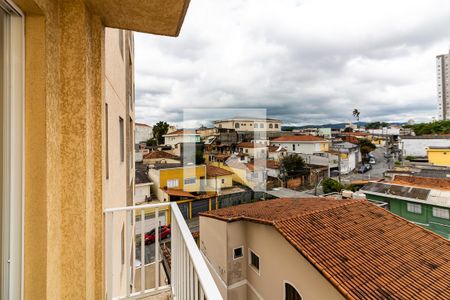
11,150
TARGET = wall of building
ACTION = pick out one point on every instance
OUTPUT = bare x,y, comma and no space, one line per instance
418,147
440,157
279,262
250,125
143,133
142,192
302,147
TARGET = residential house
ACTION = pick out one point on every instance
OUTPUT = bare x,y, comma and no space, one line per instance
142,187
324,132
321,248
160,156
352,137
276,152
439,155
306,144
421,170
350,156
61,143
250,124
416,146
143,133
253,149
176,179
218,178
177,137
424,201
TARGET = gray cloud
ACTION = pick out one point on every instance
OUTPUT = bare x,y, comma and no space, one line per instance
309,61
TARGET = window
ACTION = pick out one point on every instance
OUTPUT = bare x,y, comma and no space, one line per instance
122,140
293,147
223,181
172,183
291,293
236,125
261,125
270,125
256,125
414,208
254,261
238,252
188,181
442,213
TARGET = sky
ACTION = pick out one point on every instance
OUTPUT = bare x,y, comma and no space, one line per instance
304,61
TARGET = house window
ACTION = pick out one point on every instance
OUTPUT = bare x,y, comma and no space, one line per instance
223,181
270,125
256,125
122,139
188,181
414,208
172,183
238,252
276,125
291,293
236,125
442,213
254,261
293,147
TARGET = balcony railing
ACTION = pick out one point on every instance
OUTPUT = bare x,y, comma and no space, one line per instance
188,278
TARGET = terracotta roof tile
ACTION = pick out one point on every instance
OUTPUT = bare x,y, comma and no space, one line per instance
365,251
213,171
424,182
181,131
298,138
159,154
250,145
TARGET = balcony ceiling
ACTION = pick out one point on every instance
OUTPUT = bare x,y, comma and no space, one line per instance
163,17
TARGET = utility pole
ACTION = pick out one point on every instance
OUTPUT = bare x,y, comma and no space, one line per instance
339,164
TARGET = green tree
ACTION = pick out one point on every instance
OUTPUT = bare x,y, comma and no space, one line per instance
348,129
292,165
366,147
330,186
356,114
152,142
436,127
159,130
376,125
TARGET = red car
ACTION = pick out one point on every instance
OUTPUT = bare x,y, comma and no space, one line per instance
164,232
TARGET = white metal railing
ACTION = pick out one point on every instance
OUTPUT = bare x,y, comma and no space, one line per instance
189,275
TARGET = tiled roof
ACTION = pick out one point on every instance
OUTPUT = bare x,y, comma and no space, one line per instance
270,164
424,182
179,193
159,154
298,138
276,149
365,251
213,171
251,145
181,132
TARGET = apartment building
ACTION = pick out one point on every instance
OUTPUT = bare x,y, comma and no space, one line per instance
443,86
143,133
57,172
424,201
250,124
119,137
305,144
319,248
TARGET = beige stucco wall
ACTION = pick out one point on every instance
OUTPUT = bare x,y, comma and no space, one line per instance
64,134
249,125
279,262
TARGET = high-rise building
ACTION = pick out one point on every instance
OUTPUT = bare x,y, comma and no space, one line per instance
443,88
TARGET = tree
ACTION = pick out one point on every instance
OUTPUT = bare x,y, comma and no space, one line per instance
366,147
152,142
436,127
356,113
376,125
159,130
292,165
330,186
348,129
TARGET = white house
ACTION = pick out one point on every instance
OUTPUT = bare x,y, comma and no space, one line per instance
417,145
143,133
181,136
350,156
250,124
306,144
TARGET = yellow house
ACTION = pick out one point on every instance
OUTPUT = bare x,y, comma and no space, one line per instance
176,180
439,155
218,178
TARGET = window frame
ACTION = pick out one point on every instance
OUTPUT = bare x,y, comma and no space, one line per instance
242,251
257,270
190,178
292,285
413,210
441,209
175,186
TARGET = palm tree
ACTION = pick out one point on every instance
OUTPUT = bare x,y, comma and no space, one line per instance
356,114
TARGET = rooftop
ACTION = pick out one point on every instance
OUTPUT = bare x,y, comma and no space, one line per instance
182,132
251,145
365,251
161,166
247,119
426,137
424,182
212,171
160,154
298,138
141,176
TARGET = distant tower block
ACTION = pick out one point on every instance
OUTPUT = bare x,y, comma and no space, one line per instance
443,86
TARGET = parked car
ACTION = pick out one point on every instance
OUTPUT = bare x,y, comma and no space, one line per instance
371,155
164,232
372,161
364,168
